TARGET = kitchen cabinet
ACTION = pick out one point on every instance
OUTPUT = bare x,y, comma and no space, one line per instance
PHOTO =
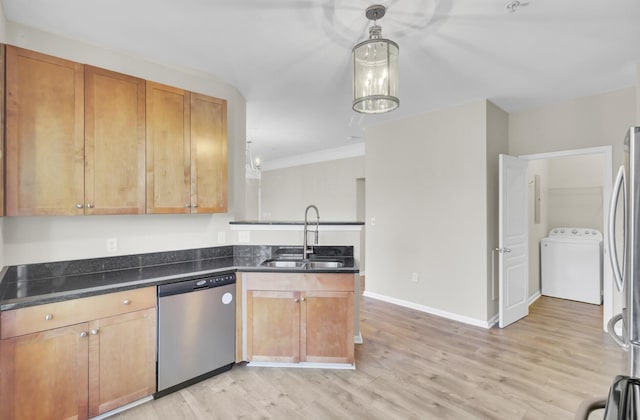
186,151
300,317
114,156
44,134
75,138
77,358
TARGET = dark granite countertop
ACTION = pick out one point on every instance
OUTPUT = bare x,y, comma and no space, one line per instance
36,284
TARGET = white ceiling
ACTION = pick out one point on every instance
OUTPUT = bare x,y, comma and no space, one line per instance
291,59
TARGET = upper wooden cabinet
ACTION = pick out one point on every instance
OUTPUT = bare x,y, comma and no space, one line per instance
186,151
44,134
114,143
208,154
168,155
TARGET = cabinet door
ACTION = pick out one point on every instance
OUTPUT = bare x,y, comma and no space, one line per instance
208,154
122,360
168,152
2,124
44,134
44,375
273,326
114,143
327,327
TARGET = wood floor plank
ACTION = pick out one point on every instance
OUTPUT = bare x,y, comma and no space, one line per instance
414,365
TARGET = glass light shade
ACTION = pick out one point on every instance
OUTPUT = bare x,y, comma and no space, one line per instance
375,76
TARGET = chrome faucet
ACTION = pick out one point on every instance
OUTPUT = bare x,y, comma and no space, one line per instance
306,250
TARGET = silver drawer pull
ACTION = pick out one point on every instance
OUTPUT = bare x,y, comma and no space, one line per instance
296,300
48,317
126,302
302,299
94,332
79,206
83,334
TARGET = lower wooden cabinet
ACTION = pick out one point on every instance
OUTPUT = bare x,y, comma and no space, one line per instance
122,360
80,370
302,318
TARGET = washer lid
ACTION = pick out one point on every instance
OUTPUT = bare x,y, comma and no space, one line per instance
575,233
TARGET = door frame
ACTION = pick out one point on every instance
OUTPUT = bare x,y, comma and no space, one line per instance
607,180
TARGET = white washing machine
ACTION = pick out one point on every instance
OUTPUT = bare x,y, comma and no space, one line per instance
571,260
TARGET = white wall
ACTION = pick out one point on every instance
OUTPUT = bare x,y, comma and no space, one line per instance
38,239
426,187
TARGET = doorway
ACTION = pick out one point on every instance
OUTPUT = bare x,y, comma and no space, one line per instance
556,203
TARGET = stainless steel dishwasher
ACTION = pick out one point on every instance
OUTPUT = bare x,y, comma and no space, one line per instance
196,330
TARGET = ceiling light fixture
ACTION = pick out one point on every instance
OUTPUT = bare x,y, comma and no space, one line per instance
375,69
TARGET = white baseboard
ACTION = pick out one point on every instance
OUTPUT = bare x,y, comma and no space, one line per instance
423,308
534,297
304,365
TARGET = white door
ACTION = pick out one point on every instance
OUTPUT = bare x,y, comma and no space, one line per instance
513,250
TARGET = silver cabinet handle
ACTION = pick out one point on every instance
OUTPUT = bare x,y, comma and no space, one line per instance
302,299
126,302
186,206
79,206
95,332
83,334
194,206
48,317
296,300
89,206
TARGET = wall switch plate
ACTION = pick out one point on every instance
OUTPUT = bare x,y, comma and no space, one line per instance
222,237
112,244
244,237
414,277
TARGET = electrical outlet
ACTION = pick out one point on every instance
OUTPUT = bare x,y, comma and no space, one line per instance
414,277
112,245
222,237
243,236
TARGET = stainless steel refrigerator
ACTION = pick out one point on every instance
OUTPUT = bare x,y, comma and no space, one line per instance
623,401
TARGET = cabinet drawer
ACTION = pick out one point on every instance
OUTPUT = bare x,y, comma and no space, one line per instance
59,314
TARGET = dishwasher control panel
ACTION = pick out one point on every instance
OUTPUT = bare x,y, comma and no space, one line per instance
192,285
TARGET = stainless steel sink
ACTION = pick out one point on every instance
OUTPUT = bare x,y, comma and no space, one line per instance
310,264
284,263
324,264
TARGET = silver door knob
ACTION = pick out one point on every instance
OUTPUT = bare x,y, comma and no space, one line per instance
48,317
126,302
79,206
83,334
94,332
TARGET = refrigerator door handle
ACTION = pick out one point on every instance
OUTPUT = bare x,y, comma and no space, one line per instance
612,332
611,240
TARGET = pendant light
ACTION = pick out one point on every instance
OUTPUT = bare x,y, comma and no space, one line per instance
375,69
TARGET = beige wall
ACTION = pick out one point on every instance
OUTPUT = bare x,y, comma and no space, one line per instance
37,239
426,187
497,143
591,121
537,231
575,192
330,185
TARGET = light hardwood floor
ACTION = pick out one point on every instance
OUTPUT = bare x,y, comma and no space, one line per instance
418,366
